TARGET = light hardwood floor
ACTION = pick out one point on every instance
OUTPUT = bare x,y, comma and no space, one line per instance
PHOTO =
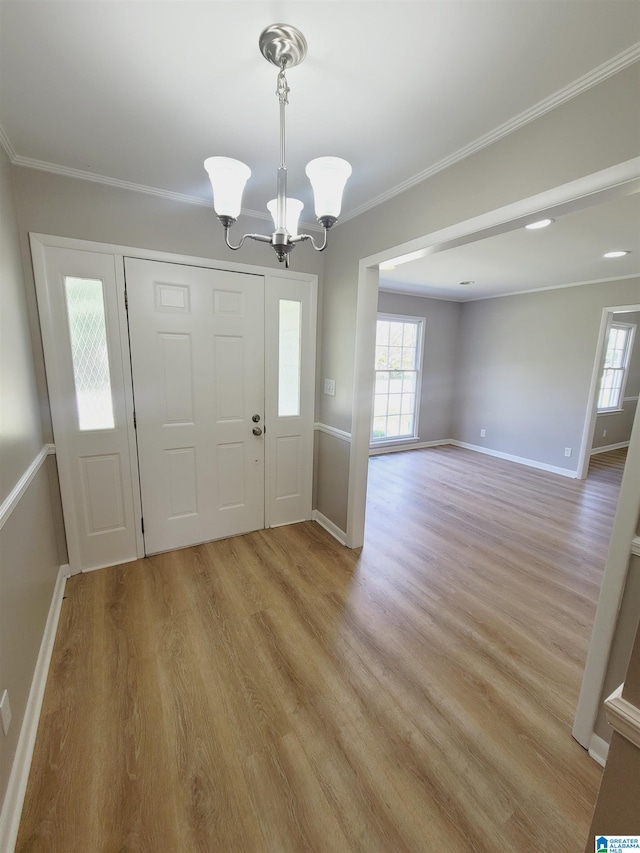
277,692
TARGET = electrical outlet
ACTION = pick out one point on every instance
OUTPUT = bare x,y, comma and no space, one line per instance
330,387
5,712
483,432
567,451
604,433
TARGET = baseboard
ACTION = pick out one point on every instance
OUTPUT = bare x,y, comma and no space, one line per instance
598,749
520,460
397,448
17,787
609,447
329,526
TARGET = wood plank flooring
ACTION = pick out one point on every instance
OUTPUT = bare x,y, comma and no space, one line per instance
277,692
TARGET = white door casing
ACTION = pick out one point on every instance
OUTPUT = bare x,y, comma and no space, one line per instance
197,355
93,456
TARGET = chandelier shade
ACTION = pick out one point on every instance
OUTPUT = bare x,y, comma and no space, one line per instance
328,176
228,179
293,210
285,47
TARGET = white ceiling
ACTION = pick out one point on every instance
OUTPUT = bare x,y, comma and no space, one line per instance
567,252
143,92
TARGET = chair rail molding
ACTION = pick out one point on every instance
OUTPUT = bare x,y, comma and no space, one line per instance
623,716
13,498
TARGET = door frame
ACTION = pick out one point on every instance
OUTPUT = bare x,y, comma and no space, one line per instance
592,410
40,242
612,182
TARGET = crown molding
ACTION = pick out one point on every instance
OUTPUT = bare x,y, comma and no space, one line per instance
597,75
69,172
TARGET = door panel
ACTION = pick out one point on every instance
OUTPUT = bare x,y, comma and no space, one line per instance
290,398
197,353
88,386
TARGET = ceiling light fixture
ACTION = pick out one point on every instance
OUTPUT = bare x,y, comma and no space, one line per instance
541,223
386,265
618,253
285,47
466,283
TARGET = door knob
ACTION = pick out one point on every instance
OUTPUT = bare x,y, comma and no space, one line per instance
256,419
257,431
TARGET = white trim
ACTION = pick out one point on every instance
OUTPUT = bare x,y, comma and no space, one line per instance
613,182
607,280
611,593
623,716
329,526
521,460
591,413
592,78
609,447
599,750
334,431
404,290
409,444
13,498
6,144
631,399
635,546
92,177
17,786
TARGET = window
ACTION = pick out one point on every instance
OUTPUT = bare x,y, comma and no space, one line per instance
290,340
616,367
88,333
397,378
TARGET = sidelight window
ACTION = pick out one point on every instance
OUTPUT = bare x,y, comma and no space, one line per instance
289,357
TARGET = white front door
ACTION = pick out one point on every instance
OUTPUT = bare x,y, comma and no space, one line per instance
90,392
197,356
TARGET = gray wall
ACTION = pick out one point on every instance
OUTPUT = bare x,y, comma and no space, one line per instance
596,129
618,425
438,361
28,552
525,365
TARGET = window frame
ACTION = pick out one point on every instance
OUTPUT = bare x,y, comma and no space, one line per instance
630,328
421,323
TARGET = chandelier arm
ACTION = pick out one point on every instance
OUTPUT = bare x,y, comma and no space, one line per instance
302,237
262,238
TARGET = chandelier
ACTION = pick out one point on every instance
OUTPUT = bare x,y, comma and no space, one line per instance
285,47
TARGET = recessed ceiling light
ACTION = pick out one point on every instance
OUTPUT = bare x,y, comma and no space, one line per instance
541,223
465,283
618,253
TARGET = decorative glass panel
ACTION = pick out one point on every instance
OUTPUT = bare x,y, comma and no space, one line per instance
289,357
88,335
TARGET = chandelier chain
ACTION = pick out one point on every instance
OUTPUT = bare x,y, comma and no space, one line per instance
283,89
